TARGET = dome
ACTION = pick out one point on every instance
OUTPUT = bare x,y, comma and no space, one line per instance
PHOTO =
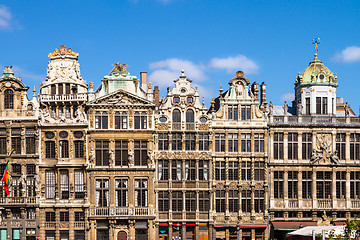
316,74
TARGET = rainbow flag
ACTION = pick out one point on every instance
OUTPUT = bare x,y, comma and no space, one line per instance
6,177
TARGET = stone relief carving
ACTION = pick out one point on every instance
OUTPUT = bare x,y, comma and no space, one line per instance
92,158
323,152
131,158
112,157
151,160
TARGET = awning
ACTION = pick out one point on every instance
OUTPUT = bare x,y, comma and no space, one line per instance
290,226
339,223
163,224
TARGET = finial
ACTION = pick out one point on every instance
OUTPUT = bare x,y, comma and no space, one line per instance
34,91
221,90
183,73
203,101
316,41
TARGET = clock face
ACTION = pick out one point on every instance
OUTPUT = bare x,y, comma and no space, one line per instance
8,84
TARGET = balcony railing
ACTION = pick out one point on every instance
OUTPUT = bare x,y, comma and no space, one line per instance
8,113
355,203
293,203
119,211
326,203
62,97
190,126
176,126
315,119
79,225
18,200
50,224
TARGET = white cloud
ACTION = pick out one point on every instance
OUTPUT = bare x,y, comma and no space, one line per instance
170,69
25,75
233,64
289,97
349,54
5,17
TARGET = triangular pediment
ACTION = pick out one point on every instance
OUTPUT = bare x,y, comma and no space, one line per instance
121,98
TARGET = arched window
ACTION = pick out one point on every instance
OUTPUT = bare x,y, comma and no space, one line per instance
176,118
9,99
190,120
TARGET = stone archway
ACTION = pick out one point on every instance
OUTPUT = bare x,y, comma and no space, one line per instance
121,235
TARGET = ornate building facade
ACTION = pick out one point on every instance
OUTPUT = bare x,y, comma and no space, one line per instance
117,162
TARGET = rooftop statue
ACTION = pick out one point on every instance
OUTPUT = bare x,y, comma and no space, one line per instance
118,67
62,52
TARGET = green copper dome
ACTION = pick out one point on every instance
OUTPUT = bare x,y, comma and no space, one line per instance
316,74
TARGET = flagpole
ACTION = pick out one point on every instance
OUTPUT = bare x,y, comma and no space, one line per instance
11,152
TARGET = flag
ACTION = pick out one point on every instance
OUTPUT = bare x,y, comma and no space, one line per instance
6,177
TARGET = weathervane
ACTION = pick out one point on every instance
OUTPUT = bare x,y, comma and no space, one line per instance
316,41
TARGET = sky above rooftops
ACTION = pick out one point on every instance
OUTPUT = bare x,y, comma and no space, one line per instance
210,39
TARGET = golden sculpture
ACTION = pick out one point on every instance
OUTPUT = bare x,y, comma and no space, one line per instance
118,67
63,51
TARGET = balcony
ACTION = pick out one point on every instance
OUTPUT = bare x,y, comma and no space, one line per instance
119,211
323,204
314,119
18,200
293,203
355,203
50,225
63,97
8,113
79,225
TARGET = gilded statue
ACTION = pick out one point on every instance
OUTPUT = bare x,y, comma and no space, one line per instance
118,67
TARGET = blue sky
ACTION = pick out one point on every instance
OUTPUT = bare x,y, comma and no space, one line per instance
269,40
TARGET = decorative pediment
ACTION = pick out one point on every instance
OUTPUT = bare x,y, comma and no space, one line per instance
323,152
120,98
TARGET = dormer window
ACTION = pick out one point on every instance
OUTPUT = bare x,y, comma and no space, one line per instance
183,90
232,112
176,99
321,77
9,99
189,99
321,105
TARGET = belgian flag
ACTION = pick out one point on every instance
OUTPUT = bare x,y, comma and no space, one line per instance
6,177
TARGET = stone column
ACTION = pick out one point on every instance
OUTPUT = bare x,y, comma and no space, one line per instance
313,189
271,183
300,188
111,192
285,146
347,147
333,187
71,224
226,141
348,201
286,188
300,146
252,142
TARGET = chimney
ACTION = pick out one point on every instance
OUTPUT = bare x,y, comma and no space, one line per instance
156,96
143,79
262,97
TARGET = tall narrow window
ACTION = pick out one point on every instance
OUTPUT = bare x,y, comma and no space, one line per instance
278,146
176,170
245,112
50,184
79,149
121,188
354,185
67,88
101,120
102,152
30,145
204,201
233,142
190,141
176,141
203,142
259,171
292,184
30,187
233,200
233,112
53,89
64,184
140,153
203,170
50,149
341,185
64,148
60,89
246,170
121,153
245,142
323,185
306,146
307,106
121,120
163,201
219,142
246,201
306,184
102,192
16,144
3,145
278,184
190,170
177,201
233,171
321,105
293,146
141,193
220,201
355,146
140,120
259,201
220,171
79,184
259,142
340,145
163,143
163,170
8,99
190,201
190,120
176,117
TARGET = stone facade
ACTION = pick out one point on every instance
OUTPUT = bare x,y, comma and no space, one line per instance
117,162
